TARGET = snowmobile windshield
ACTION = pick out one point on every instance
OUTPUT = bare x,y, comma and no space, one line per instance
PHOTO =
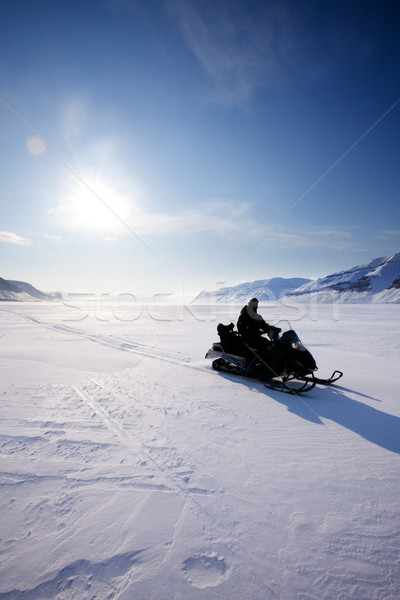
291,339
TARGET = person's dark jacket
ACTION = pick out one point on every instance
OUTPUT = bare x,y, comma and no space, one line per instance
251,325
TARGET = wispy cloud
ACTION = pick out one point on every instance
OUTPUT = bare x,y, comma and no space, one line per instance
244,46
12,238
219,217
241,50
54,238
389,233
228,219
313,237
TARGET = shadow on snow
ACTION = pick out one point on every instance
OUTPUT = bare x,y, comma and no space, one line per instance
333,404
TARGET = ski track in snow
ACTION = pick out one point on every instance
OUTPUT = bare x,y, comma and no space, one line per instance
157,468
143,350
166,480
146,450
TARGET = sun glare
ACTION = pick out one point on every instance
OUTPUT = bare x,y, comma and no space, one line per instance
96,207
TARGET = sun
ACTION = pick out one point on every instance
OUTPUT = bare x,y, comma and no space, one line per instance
95,206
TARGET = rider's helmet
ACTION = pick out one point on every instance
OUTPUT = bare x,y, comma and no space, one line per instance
253,304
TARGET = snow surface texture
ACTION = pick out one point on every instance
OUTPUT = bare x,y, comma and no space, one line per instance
377,281
131,470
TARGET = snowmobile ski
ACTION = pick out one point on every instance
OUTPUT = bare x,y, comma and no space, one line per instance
334,377
290,386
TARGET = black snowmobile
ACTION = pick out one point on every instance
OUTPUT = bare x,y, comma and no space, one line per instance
282,363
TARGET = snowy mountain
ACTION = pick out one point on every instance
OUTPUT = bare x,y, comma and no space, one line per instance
263,289
23,292
377,281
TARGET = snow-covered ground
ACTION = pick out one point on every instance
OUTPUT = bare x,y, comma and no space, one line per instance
131,470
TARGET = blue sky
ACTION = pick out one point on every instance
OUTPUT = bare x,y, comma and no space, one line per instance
160,145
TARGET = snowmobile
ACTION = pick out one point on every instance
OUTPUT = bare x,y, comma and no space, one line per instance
281,362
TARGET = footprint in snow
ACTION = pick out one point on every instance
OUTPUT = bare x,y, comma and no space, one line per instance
205,570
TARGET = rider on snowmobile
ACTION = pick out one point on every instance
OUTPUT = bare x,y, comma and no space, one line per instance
251,326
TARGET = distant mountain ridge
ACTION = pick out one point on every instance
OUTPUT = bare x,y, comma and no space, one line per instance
23,292
377,281
264,289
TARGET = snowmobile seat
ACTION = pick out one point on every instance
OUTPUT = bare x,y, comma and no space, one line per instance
231,341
